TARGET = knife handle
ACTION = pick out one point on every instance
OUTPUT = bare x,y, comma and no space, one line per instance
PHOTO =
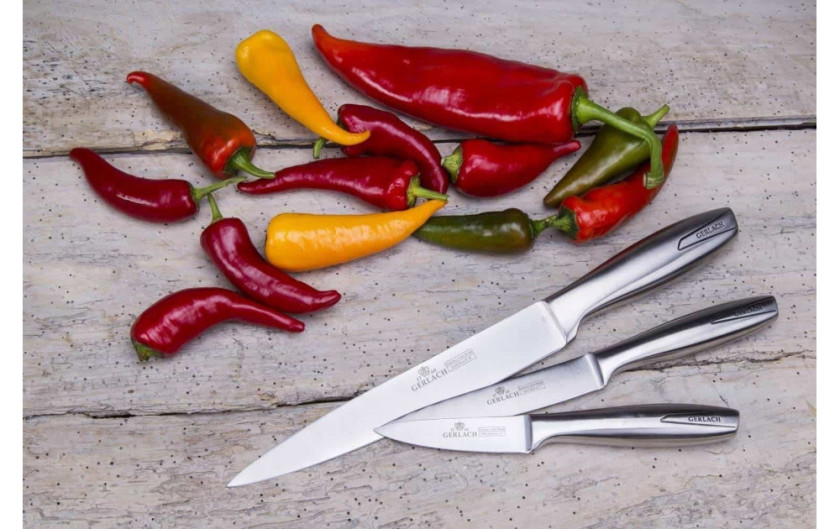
649,263
689,334
637,426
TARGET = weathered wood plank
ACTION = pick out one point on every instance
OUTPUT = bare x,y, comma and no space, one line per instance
88,271
170,471
710,61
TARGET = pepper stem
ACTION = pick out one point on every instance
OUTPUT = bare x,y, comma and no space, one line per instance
656,117
241,162
200,193
214,209
452,163
415,190
319,145
144,353
584,110
565,222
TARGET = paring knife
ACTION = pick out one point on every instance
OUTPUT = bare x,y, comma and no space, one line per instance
637,426
503,349
564,381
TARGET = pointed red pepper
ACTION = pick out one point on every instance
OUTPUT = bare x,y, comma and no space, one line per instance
221,140
601,209
386,183
227,243
484,169
156,200
390,136
475,92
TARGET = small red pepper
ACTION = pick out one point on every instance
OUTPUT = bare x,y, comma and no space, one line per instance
601,209
476,92
484,169
384,182
168,324
221,140
227,243
390,136
160,201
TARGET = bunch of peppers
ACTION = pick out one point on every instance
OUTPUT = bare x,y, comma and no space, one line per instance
389,165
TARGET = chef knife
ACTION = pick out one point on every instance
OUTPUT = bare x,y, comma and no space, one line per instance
637,426
503,349
564,381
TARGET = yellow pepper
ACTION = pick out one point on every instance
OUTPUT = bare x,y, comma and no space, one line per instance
300,242
267,61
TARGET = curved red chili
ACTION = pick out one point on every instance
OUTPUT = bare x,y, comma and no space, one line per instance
160,201
384,182
601,209
221,140
475,92
484,169
390,136
227,243
168,324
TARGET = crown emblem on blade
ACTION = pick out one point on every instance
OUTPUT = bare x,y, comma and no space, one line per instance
500,390
460,425
424,371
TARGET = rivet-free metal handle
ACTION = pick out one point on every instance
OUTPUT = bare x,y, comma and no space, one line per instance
650,263
638,426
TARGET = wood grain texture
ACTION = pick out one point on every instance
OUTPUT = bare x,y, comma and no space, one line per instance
748,62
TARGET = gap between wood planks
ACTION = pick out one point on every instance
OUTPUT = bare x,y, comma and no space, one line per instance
793,123
119,414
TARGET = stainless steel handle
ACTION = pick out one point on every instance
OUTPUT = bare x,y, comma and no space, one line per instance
689,334
638,426
649,263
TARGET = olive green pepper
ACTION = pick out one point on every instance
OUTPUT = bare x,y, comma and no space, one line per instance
506,232
612,153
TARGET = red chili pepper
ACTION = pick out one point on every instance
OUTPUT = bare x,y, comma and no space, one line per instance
221,140
390,136
484,169
475,92
168,324
227,243
602,209
384,182
161,201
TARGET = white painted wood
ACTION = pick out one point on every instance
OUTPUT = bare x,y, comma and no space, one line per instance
708,60
170,471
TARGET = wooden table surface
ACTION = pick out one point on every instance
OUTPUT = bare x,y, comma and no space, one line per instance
110,441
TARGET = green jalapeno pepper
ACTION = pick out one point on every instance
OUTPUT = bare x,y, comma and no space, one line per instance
612,153
505,232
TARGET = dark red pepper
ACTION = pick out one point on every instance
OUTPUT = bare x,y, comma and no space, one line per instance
384,182
227,243
168,324
161,201
475,92
390,136
484,169
601,209
221,140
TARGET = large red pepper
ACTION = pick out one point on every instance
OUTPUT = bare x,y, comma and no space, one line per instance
601,209
171,322
221,140
390,136
484,169
475,92
384,182
227,243
160,201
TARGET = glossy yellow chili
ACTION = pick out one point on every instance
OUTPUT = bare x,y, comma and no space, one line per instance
267,61
300,242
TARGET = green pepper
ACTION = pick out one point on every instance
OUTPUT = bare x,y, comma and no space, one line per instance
504,232
612,153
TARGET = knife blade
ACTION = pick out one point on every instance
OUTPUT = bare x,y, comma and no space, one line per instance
686,335
637,426
504,348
